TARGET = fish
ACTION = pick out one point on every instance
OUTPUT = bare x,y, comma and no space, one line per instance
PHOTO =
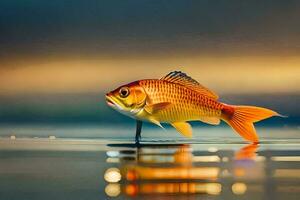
177,99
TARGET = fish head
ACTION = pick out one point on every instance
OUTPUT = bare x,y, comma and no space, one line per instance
128,99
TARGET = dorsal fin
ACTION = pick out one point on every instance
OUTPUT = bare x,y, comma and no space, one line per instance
183,79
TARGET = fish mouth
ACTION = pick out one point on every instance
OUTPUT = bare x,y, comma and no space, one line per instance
110,101
113,102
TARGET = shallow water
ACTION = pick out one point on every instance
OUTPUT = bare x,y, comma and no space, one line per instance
219,166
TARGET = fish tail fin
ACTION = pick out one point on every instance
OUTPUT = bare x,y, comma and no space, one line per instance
241,119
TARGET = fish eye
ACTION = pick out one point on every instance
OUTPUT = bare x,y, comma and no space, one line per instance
124,92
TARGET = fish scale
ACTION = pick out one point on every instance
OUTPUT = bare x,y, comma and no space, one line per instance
186,103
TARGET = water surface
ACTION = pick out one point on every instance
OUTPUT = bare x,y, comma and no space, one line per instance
217,165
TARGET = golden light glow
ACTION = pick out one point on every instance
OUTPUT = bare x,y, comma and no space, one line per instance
212,149
52,137
213,188
225,173
112,160
260,158
225,159
113,189
13,137
247,74
287,173
286,158
239,188
206,159
112,175
112,153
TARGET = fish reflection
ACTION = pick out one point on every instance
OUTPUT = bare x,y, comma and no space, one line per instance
165,169
247,153
173,188
247,165
182,167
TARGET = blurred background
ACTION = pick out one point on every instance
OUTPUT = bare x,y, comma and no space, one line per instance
59,58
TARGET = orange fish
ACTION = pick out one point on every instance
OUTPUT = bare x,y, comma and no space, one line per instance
177,98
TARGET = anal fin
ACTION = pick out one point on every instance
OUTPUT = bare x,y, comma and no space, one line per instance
184,128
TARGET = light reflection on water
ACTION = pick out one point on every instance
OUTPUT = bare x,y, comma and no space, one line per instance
178,169
213,167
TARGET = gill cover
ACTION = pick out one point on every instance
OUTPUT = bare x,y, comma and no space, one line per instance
129,98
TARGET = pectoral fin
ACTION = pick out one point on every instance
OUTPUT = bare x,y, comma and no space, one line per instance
153,108
184,128
154,121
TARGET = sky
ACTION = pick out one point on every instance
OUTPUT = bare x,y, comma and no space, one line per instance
148,27
90,47
72,46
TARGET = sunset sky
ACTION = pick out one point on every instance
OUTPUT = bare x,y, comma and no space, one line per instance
70,46
248,52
